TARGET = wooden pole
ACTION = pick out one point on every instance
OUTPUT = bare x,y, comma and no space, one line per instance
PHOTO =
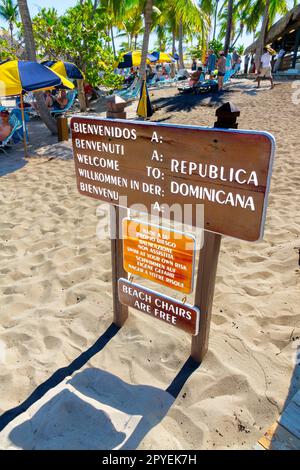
24,125
208,258
62,128
117,214
297,42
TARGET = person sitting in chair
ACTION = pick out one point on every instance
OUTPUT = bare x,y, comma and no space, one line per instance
195,77
60,101
5,127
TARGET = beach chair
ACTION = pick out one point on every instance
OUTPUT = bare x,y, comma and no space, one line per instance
132,94
15,132
167,82
127,88
208,86
185,88
228,75
152,82
71,95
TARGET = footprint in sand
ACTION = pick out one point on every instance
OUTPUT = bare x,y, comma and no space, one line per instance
51,342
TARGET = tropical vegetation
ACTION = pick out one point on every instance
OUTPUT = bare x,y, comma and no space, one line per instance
94,33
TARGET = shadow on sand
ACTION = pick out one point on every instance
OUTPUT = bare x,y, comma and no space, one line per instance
187,102
11,162
92,410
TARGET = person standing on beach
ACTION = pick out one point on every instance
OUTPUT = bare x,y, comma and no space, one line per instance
211,62
265,68
221,66
279,58
234,59
246,63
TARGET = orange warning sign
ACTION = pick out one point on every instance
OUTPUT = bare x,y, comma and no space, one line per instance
159,254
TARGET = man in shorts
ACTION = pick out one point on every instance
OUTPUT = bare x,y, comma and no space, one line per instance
221,66
265,68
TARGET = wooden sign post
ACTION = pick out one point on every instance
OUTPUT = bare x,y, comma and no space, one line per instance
160,166
117,214
208,259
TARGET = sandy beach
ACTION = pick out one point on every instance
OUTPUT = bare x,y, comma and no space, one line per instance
56,305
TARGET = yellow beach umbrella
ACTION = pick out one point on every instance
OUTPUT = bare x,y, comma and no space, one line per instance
18,76
133,59
162,57
65,69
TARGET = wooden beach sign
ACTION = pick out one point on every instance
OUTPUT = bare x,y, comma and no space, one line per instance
162,166
164,308
161,255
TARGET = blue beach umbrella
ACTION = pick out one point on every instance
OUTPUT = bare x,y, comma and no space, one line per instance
66,69
162,57
133,59
19,76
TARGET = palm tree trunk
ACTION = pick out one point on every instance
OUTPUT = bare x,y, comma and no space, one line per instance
135,41
238,36
173,52
180,45
31,55
215,19
148,23
229,26
262,36
11,28
81,96
113,40
173,42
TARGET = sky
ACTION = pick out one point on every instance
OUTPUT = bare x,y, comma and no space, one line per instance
62,5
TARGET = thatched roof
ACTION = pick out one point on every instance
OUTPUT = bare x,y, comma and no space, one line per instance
277,30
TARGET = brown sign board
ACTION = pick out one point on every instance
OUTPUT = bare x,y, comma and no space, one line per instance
162,165
159,254
164,308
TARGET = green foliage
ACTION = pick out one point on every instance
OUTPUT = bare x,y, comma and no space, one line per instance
7,51
194,52
9,11
216,45
240,49
79,36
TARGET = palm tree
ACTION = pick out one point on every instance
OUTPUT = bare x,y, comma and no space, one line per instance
215,19
184,12
31,55
240,22
229,26
268,10
9,12
132,24
148,6
262,35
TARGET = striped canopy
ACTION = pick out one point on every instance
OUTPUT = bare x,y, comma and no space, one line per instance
162,57
133,59
17,76
66,69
